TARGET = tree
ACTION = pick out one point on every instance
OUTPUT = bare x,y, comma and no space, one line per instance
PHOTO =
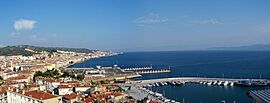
56,72
38,73
80,77
102,82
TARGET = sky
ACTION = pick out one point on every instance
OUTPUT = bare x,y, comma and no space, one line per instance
135,25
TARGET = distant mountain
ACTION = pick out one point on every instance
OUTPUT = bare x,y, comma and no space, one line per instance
28,50
257,47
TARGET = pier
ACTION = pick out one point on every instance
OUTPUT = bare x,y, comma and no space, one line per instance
138,68
201,80
154,71
260,96
140,88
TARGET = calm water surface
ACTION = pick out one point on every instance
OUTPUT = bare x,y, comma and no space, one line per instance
229,64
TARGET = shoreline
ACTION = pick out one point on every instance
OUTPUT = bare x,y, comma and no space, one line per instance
68,66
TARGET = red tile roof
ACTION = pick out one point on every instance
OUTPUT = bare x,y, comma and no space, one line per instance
39,95
71,96
88,100
64,86
16,78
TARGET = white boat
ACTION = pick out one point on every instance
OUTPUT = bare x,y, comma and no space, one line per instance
232,83
162,83
173,83
167,100
225,83
158,94
219,83
165,83
209,83
215,82
157,84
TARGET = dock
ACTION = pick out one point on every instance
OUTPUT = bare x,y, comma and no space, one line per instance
140,88
138,68
200,80
260,96
154,71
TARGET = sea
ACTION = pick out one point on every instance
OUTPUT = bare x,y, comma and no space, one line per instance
222,64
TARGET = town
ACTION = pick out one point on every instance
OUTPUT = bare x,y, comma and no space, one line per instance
45,78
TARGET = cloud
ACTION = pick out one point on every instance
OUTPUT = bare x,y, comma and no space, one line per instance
208,21
151,18
24,24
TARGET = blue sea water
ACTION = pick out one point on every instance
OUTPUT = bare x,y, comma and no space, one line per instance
228,64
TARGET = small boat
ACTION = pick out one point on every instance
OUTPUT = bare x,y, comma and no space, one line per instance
225,83
165,83
173,83
232,83
162,83
219,83
209,83
178,83
215,82
157,84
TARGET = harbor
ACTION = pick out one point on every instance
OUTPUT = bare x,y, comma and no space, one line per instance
184,81
144,88
207,81
260,96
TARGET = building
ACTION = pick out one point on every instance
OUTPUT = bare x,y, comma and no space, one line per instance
81,89
3,97
64,89
71,98
34,96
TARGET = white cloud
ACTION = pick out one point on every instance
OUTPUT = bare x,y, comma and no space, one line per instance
208,21
151,18
24,24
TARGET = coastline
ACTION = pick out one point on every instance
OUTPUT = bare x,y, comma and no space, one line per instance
89,58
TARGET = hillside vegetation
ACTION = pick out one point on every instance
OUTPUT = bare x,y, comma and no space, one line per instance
20,50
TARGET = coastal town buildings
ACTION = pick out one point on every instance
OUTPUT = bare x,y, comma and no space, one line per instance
21,81
34,96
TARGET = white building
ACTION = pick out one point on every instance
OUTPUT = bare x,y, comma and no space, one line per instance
3,97
81,88
64,89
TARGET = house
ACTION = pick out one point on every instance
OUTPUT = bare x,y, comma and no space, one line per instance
64,89
81,89
51,84
71,98
19,79
34,96
3,96
7,75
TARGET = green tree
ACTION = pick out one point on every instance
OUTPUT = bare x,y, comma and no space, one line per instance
80,77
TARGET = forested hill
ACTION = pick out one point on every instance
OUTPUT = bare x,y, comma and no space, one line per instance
24,50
